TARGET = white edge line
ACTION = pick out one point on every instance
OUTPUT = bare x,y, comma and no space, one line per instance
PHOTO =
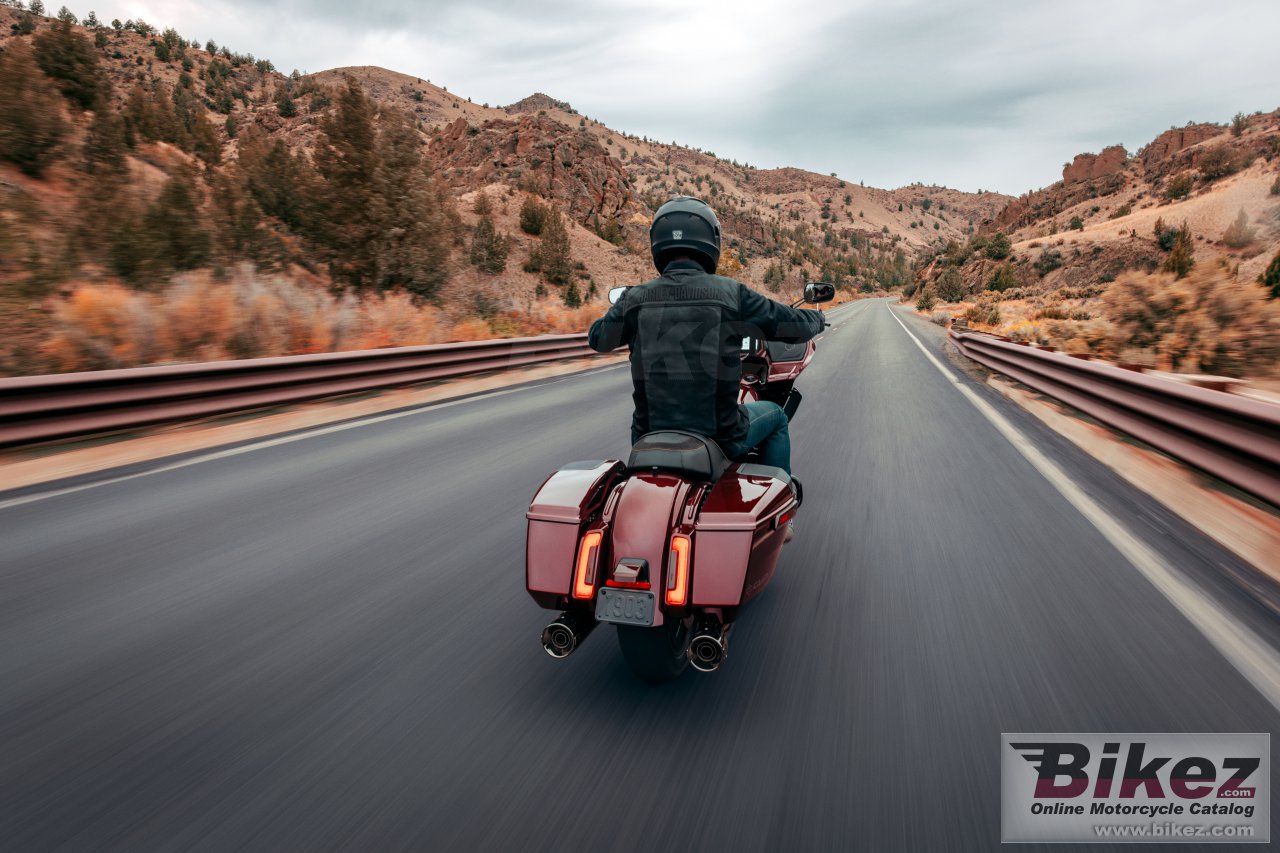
1246,651
314,432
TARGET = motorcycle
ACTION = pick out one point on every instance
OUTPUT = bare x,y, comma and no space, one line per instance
669,545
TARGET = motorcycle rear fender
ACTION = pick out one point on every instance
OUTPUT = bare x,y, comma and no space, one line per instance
564,506
738,535
648,509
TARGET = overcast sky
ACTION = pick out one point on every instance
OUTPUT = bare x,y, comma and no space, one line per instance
972,94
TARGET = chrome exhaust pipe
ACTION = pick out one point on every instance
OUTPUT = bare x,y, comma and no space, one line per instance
709,647
566,633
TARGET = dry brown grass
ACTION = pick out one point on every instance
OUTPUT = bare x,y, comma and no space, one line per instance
1209,321
101,326
196,318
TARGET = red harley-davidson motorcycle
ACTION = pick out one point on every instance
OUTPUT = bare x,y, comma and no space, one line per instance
669,545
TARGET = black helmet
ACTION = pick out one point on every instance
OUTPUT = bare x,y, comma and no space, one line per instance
685,225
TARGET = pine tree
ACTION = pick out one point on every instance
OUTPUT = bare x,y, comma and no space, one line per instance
488,247
346,159
241,229
572,299
194,134
413,216
774,277
278,180
1182,255
174,217
32,126
104,144
554,255
150,116
69,58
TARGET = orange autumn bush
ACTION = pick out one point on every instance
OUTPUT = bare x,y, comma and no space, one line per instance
102,326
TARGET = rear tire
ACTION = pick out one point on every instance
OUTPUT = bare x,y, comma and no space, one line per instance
657,655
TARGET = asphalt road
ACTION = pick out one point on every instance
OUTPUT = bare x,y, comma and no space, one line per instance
325,643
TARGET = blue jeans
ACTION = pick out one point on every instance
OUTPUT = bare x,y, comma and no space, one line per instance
767,430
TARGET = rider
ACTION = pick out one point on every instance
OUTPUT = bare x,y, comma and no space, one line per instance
685,332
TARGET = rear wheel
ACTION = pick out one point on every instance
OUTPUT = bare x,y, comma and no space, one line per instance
657,654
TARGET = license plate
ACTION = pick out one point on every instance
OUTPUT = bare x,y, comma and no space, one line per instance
624,606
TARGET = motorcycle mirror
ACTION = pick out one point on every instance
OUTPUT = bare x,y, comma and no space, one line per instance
615,294
819,291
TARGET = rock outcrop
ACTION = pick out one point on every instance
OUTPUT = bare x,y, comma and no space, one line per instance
1094,167
538,101
567,165
1164,146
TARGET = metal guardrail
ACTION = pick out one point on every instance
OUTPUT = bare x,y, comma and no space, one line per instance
1234,438
44,408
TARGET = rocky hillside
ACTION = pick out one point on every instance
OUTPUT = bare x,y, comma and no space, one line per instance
596,174
1101,219
166,157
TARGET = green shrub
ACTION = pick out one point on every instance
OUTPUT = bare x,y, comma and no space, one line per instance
1165,235
1002,278
951,286
998,247
533,217
1050,259
925,301
1271,278
1179,187
1221,161
985,312
1275,188
1076,224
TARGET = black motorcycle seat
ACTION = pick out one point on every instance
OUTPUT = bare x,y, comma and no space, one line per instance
694,456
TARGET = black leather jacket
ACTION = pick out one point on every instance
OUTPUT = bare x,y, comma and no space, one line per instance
685,332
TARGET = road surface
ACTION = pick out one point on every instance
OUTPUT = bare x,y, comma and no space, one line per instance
324,643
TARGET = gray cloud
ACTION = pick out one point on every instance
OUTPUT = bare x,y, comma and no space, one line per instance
972,93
